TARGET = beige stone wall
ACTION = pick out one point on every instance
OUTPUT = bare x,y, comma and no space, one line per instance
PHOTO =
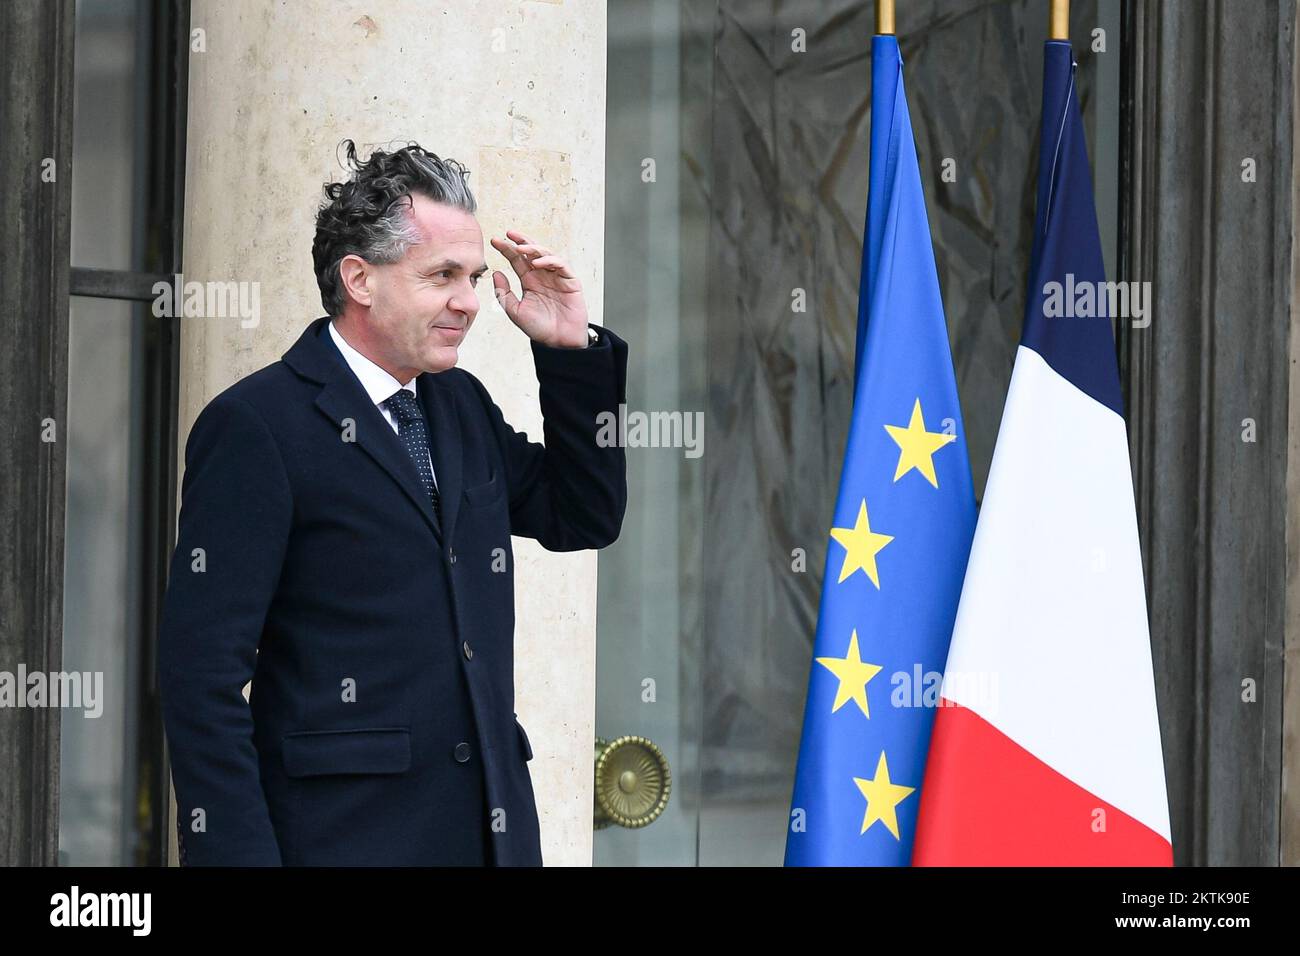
516,91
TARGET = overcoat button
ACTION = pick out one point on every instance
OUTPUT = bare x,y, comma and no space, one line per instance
462,752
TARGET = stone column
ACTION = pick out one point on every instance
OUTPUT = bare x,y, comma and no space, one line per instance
516,91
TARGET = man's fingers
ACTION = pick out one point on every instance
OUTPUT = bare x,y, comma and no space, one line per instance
532,250
518,260
540,257
554,264
501,289
523,243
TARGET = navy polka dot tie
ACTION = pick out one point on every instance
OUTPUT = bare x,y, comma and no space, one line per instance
405,407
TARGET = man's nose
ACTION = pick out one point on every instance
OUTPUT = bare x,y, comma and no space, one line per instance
465,301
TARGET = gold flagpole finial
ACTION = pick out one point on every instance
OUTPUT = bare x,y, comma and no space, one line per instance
1060,24
884,17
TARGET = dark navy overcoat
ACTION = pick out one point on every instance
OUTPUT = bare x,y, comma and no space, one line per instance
378,635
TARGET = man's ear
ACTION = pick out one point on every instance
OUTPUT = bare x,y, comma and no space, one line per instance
355,274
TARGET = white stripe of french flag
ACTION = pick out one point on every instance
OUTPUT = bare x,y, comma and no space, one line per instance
1047,749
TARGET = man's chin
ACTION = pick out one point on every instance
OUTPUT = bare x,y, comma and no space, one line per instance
441,359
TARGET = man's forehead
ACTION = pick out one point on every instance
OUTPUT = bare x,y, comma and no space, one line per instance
441,223
450,238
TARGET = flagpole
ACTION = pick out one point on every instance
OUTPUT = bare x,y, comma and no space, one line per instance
884,17
1060,24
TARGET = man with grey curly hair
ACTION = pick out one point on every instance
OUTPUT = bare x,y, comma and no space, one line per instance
345,543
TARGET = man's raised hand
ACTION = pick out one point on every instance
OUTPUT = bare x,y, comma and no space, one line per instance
552,310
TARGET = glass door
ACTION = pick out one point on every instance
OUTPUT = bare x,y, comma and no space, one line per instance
736,188
650,613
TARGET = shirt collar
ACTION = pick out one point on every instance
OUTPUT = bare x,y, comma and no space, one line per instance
377,382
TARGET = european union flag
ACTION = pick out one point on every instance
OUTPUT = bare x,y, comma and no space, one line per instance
903,524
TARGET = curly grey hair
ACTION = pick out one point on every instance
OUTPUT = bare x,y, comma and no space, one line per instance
366,215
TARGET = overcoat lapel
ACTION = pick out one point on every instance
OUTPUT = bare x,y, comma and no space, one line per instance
342,398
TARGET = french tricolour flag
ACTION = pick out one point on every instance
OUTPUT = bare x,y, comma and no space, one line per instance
1047,749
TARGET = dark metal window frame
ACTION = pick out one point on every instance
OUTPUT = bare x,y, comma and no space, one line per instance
36,41
1212,510
164,185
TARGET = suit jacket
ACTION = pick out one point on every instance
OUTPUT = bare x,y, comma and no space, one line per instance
381,728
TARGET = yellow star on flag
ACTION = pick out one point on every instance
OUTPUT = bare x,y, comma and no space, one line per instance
883,798
917,446
853,675
861,545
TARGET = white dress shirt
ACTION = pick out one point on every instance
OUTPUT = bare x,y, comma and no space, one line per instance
379,385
